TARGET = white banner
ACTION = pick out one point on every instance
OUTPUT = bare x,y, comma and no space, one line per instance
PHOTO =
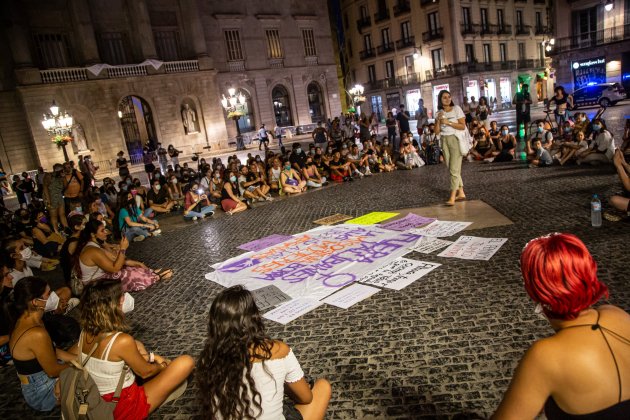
441,228
473,248
399,273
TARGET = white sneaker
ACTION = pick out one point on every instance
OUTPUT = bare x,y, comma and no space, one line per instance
194,218
470,158
72,303
269,198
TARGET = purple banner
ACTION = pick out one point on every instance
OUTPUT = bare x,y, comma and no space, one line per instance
410,221
265,242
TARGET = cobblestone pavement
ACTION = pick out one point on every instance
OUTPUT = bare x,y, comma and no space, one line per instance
446,346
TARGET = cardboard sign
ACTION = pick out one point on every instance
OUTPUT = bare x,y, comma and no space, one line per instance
410,221
268,297
441,228
371,218
399,273
427,244
473,248
331,220
350,295
291,310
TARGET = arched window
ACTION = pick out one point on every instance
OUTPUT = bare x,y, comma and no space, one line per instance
246,122
136,120
281,106
315,102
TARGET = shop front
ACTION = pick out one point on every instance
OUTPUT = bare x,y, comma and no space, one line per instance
472,89
412,98
505,88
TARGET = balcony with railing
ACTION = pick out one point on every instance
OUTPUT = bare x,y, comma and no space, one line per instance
543,30
469,29
504,29
523,29
368,53
385,48
488,29
461,69
406,42
592,39
433,35
381,15
402,7
364,22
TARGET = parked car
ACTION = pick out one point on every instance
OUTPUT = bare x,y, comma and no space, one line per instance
603,94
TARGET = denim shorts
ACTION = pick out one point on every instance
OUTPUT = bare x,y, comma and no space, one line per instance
39,393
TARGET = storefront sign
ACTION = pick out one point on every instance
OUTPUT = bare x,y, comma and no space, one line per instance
590,71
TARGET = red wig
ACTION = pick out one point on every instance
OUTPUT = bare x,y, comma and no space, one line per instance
561,275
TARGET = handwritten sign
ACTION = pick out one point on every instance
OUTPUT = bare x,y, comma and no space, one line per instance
268,297
332,219
350,295
399,273
316,263
410,221
265,242
291,310
441,228
473,248
372,218
427,245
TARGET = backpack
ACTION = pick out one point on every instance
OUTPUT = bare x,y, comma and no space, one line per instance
80,397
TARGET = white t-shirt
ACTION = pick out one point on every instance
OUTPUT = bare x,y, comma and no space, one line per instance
604,143
18,275
453,116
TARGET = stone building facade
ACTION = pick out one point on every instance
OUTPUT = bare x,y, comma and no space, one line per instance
402,50
137,72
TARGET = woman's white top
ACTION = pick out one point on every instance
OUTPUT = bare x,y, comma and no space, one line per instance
90,273
453,116
275,174
604,142
271,388
104,372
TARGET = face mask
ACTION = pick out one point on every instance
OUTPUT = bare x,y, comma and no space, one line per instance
128,303
217,176
52,303
26,253
504,132
426,131
567,129
287,167
78,209
540,129
174,181
298,150
43,220
233,178
385,143
157,187
597,127
128,182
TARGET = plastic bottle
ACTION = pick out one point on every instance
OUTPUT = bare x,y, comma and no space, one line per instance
596,211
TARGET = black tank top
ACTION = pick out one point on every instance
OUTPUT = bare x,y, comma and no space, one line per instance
621,410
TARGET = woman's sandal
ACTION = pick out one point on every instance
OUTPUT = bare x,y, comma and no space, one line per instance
611,217
461,198
165,274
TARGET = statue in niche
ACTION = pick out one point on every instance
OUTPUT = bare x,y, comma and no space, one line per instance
79,143
189,119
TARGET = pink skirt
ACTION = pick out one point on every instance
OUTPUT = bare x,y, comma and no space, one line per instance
134,279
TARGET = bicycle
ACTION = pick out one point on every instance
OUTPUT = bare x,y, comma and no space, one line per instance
549,123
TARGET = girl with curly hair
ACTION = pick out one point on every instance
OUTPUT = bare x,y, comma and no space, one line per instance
242,372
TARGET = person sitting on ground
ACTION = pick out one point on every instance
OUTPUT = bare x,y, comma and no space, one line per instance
545,137
257,169
386,164
372,162
230,201
602,148
46,242
494,134
197,205
131,222
541,156
358,160
175,193
96,205
275,169
92,261
258,178
290,181
70,246
507,145
408,157
250,188
580,371
206,180
482,148
297,157
340,170
104,327
582,123
216,185
158,198
311,174
34,356
242,371
622,202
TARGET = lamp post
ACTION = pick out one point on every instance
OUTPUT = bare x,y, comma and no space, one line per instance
59,125
233,105
356,93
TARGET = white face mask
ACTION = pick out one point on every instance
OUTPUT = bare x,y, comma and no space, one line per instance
52,303
26,253
128,303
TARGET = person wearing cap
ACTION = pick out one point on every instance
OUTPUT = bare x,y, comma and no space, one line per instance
263,137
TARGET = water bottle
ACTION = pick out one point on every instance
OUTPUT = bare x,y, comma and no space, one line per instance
596,211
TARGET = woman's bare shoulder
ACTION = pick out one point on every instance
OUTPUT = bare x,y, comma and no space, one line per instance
279,350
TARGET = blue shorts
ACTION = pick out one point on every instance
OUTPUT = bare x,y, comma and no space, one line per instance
39,393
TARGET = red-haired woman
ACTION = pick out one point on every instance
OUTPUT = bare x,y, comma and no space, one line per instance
583,370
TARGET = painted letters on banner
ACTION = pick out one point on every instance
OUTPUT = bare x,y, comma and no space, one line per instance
441,228
399,273
473,248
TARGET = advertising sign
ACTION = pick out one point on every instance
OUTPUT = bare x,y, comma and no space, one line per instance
589,71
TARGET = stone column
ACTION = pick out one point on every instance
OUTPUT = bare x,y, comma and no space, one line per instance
84,31
18,34
190,16
142,33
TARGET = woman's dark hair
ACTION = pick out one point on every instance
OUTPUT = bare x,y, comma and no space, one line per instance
484,99
561,89
600,122
236,338
439,101
91,227
24,291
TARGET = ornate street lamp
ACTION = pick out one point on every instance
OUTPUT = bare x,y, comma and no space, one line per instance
59,126
356,93
233,105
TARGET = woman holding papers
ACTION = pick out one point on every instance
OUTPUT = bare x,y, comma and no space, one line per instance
242,371
583,370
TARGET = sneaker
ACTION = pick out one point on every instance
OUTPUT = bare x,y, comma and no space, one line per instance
194,219
139,238
368,172
269,198
470,158
156,232
72,303
210,214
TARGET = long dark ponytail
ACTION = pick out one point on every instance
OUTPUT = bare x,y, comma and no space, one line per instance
25,290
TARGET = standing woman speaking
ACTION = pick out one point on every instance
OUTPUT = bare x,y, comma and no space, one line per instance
451,123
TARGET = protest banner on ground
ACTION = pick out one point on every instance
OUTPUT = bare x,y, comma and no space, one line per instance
441,228
265,242
332,219
350,295
316,263
399,273
291,310
371,218
473,248
410,221
268,297
428,244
